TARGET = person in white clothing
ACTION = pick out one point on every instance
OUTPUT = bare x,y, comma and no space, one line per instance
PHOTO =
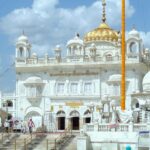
6,125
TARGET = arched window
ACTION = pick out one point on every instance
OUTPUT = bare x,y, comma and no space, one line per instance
74,50
21,51
133,47
108,57
137,105
8,103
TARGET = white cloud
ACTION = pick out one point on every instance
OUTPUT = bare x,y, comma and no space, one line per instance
46,24
145,36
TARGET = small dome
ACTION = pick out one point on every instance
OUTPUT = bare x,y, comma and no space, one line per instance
34,55
23,38
115,78
146,82
147,50
75,40
134,33
102,33
33,80
113,103
57,48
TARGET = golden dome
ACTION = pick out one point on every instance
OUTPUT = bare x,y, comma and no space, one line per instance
103,32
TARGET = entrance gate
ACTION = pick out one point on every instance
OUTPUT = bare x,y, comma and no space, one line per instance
36,117
74,116
61,120
87,116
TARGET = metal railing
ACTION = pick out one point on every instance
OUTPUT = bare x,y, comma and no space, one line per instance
27,141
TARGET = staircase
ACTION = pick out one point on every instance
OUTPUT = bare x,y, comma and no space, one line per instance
70,143
8,141
37,140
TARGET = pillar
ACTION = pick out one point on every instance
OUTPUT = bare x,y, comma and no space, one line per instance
83,143
80,123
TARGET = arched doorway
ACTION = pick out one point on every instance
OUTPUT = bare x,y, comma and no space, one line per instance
61,120
74,115
36,117
87,116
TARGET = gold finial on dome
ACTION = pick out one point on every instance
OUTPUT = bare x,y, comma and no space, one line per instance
103,32
104,12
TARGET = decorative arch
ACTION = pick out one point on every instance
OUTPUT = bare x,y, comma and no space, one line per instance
108,53
135,103
61,113
133,46
87,116
74,113
32,114
108,56
87,112
34,109
61,119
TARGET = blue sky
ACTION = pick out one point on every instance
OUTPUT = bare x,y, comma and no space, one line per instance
61,19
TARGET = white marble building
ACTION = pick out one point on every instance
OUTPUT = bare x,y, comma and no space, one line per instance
84,86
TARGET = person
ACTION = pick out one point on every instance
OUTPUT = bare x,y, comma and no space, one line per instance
11,124
23,126
30,125
6,125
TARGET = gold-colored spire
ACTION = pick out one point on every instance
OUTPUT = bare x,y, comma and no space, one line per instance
103,32
104,12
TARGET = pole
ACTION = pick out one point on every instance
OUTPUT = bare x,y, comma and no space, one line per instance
15,145
25,144
123,69
47,144
55,144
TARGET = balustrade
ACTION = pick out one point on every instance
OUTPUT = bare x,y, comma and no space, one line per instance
74,59
117,127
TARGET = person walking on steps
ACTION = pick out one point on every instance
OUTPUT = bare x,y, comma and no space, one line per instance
30,125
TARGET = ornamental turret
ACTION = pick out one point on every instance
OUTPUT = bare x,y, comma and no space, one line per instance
23,47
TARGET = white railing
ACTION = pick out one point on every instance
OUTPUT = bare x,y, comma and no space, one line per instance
74,60
8,95
123,127
139,127
89,127
116,127
103,127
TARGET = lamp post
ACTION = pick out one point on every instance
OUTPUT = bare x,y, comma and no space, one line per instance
91,107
